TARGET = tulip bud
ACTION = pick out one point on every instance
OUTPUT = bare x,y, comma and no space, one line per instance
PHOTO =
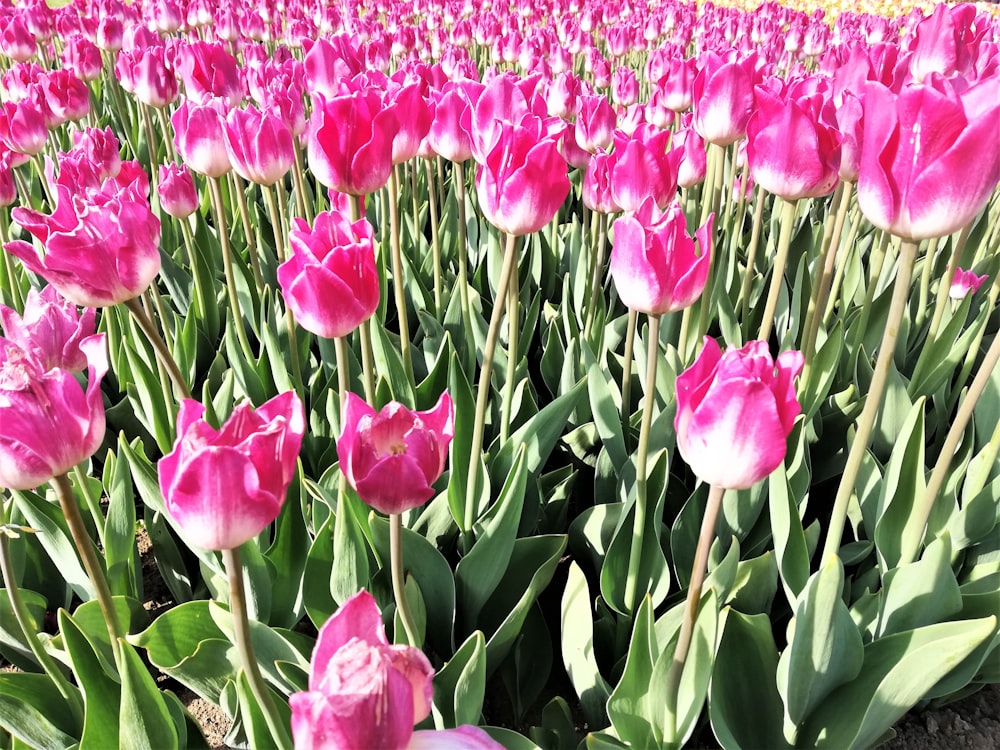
178,196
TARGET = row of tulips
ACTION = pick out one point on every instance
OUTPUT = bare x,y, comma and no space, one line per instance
237,189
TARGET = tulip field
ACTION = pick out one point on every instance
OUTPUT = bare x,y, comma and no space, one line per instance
469,375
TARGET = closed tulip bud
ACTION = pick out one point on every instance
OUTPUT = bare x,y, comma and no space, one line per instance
223,486
176,189
210,72
735,412
51,329
330,282
50,424
259,145
965,283
450,134
393,457
199,134
723,99
22,127
656,266
595,124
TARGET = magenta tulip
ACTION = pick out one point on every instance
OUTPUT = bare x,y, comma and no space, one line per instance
641,167
210,72
450,132
51,329
178,196
735,411
657,268
259,145
723,99
330,282
965,283
101,245
930,157
392,457
223,486
199,134
595,123
22,127
50,424
366,694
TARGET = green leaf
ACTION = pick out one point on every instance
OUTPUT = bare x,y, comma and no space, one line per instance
577,643
697,671
790,548
461,444
898,671
317,577
460,686
920,593
825,648
119,542
252,715
629,705
897,525
101,694
479,572
607,413
143,715
32,710
743,705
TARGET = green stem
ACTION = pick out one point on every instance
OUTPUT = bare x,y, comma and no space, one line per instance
633,320
873,401
159,346
244,644
705,538
841,265
597,273
398,578
925,281
278,229
161,116
970,355
458,176
632,593
397,273
875,271
513,336
485,375
748,274
957,246
154,172
93,503
70,694
13,286
778,271
85,548
717,161
435,237
302,205
219,209
239,187
922,511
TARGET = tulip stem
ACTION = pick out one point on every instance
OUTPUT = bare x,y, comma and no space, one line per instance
925,281
93,504
840,261
397,273
778,271
513,336
875,271
215,191
85,547
70,694
435,236
244,644
633,321
154,161
866,422
301,204
13,285
944,290
748,274
970,356
168,145
399,578
485,375
458,177
239,187
922,511
159,346
278,230
705,538
632,595
597,273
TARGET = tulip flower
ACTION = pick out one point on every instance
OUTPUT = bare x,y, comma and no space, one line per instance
223,486
641,167
965,283
595,123
51,330
50,424
392,457
259,145
723,99
930,157
209,72
735,411
199,134
654,263
101,246
177,192
366,693
330,282
450,133
22,127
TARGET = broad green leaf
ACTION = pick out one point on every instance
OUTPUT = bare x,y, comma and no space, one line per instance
143,716
120,550
920,593
629,707
101,694
790,548
32,710
460,685
577,641
825,648
694,681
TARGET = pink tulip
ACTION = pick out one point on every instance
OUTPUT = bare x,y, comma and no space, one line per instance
450,134
596,192
365,693
522,180
50,424
965,283
66,95
178,196
655,264
8,188
735,411
199,134
350,141
624,87
595,124
101,245
83,57
209,72
944,42
51,330
330,282
100,148
329,61
693,162
22,127
414,116
223,486
16,41
151,77
393,457
792,153
259,145
930,157
723,99
642,167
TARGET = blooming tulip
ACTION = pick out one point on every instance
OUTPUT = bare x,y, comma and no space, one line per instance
209,72
101,246
450,133
392,457
365,693
50,424
259,145
654,263
723,99
222,487
930,156
735,411
642,167
965,283
199,134
330,282
51,329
